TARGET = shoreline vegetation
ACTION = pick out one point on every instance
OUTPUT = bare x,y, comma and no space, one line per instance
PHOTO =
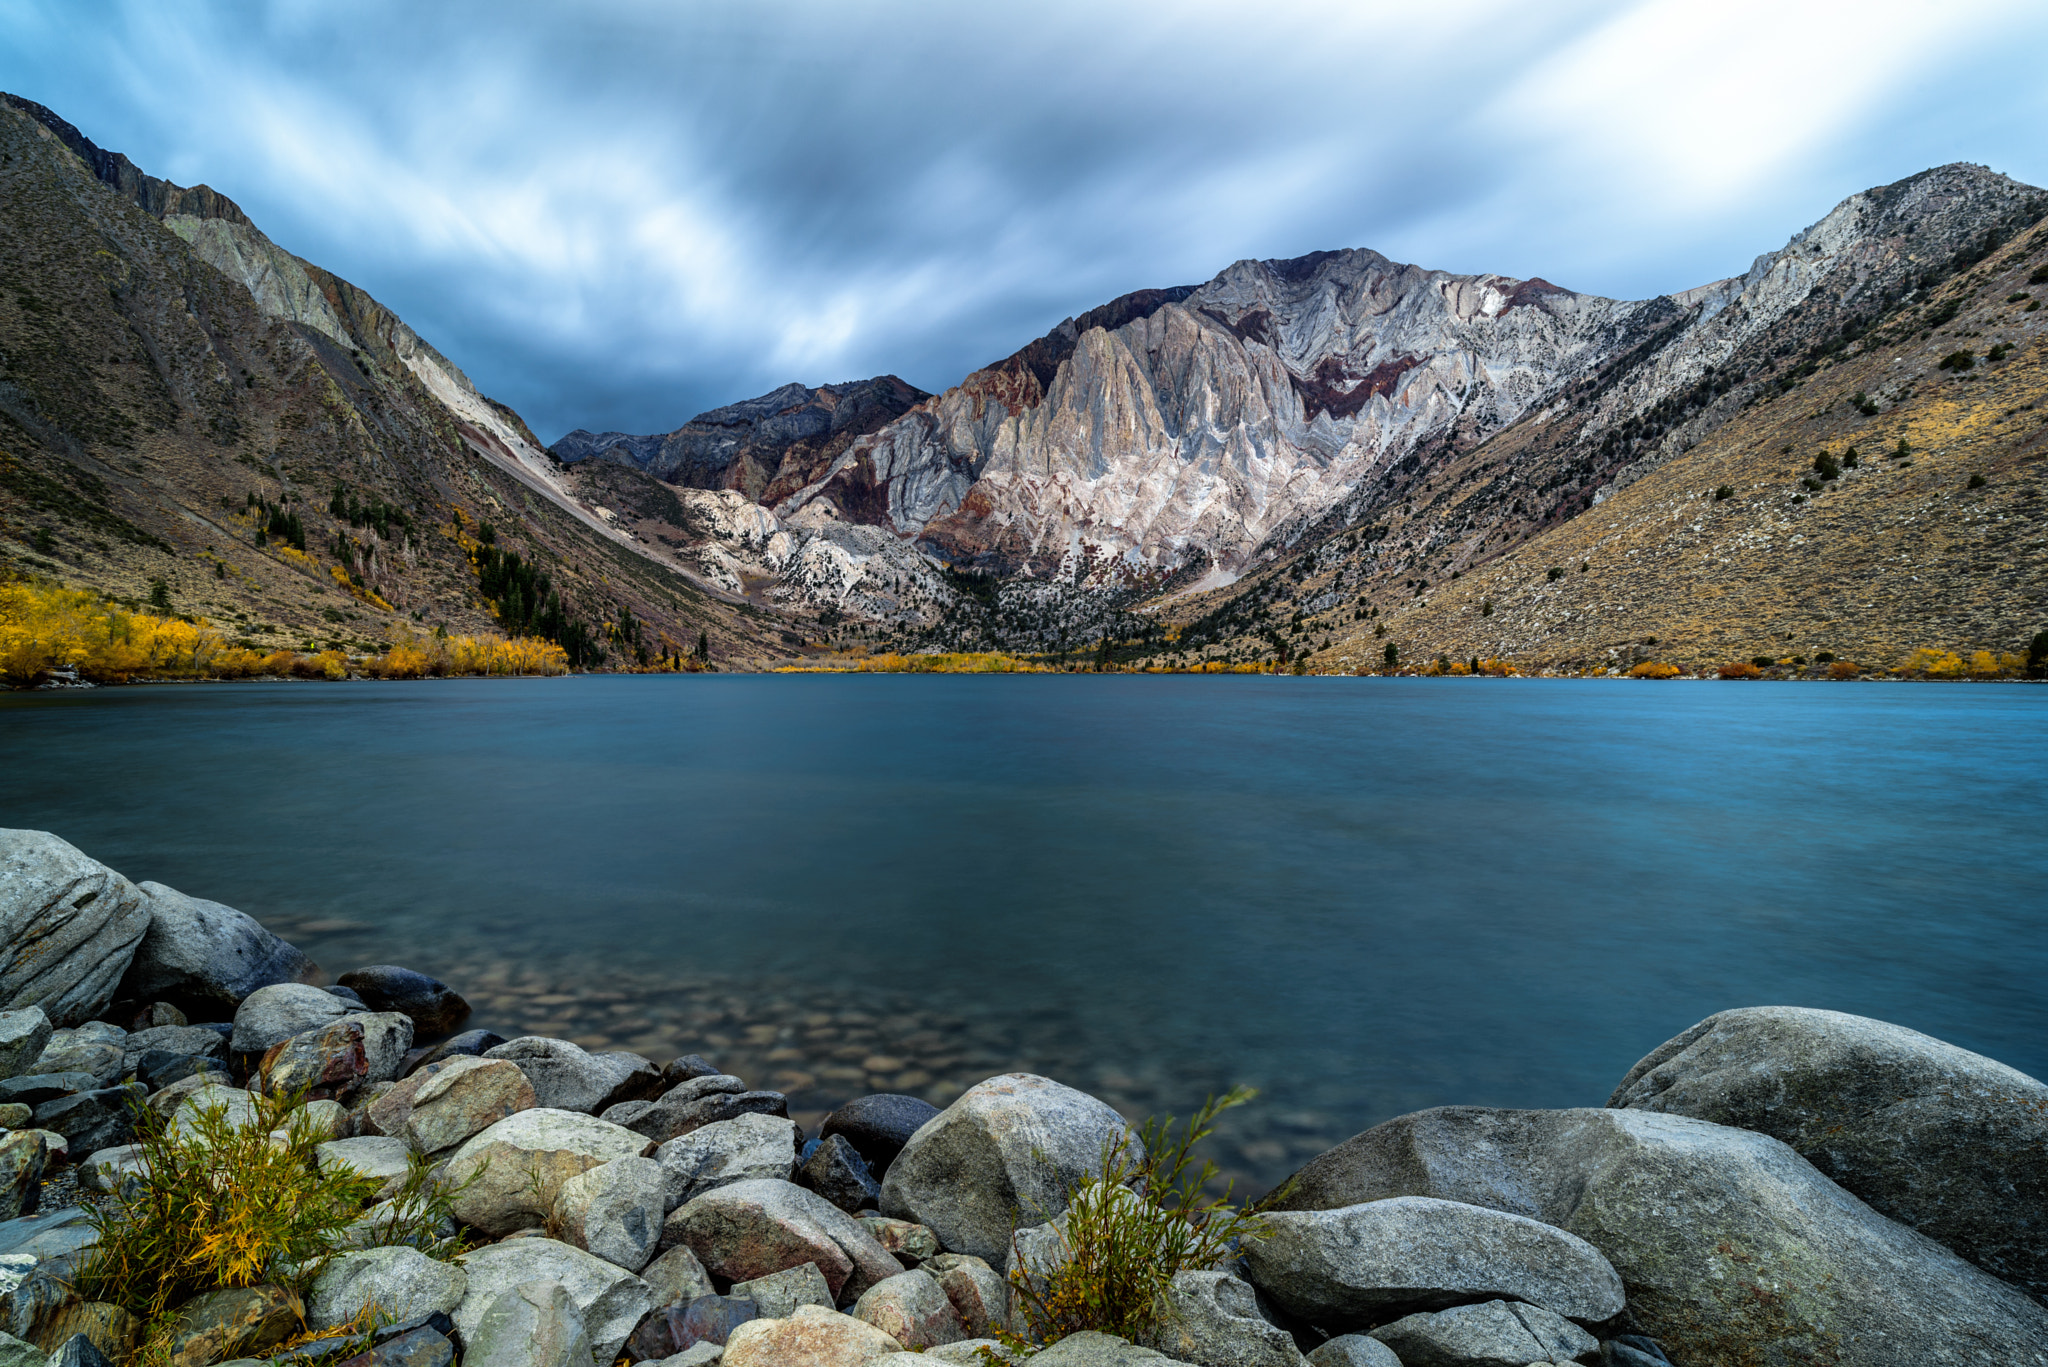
53,636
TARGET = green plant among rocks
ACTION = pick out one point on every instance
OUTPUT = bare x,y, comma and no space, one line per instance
1147,1216
219,1205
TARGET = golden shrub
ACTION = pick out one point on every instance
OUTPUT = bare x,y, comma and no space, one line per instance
1739,669
1654,669
1844,669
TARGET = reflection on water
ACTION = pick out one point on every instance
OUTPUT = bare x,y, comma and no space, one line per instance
1361,896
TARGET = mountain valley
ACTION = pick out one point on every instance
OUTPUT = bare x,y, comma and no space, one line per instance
1308,460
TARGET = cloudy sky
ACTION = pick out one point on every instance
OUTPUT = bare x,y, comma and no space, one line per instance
617,213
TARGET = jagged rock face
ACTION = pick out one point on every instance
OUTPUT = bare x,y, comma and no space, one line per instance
1183,426
765,447
1201,423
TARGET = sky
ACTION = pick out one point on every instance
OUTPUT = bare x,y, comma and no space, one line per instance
615,214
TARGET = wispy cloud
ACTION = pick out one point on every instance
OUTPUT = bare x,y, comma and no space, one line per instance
617,214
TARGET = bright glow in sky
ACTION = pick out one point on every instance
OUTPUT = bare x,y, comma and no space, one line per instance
617,213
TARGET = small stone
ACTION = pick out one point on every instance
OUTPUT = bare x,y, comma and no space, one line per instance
614,1211
271,1015
14,1115
91,1121
388,1160
401,1282
813,1336
778,1294
94,1047
165,1102
467,1044
979,1294
684,1069
534,1324
33,1089
910,1243
674,1329
387,1035
1354,1350
237,1107
509,1174
244,1322
426,1346
120,1171
1492,1334
610,1299
23,1036
22,1156
696,1355
79,1351
16,1352
157,1014
878,1126
463,1097
564,1076
911,1308
52,1235
1090,1349
639,1079
328,1061
837,1172
433,1007
737,1150
111,1330
676,1277
751,1229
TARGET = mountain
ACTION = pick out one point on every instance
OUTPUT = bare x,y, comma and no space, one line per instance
765,448
1323,455
173,385
1190,426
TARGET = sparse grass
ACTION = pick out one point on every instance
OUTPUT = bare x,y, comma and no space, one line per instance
1147,1216
220,1206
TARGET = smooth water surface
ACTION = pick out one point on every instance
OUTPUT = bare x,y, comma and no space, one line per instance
1364,896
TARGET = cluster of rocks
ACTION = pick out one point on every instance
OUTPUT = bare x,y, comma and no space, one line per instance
1774,1186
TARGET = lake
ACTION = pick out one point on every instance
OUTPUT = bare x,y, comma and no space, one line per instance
1362,896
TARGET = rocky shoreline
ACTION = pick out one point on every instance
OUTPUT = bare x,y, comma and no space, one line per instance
1776,1185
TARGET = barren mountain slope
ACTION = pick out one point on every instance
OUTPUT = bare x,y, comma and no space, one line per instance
1894,553
147,396
1864,277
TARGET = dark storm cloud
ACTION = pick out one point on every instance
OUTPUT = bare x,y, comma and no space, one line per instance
615,215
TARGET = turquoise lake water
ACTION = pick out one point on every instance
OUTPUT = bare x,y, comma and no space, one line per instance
1363,896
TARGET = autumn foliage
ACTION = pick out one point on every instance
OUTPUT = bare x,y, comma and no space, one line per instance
1654,669
1739,669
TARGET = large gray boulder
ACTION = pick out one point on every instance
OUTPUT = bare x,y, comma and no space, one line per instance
1212,1319
1355,1265
811,1337
751,1229
1721,1236
1353,1350
24,1034
69,926
1005,1154
205,958
1947,1141
403,1283
1494,1334
271,1015
742,1149
610,1299
508,1176
534,1324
